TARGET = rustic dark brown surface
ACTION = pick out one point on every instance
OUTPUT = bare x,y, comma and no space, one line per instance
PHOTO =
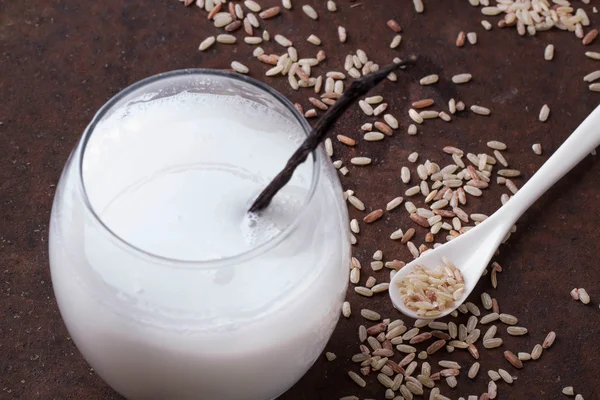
62,59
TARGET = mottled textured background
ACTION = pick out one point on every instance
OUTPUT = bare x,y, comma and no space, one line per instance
62,59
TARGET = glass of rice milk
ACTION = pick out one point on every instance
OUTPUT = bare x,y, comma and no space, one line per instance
168,287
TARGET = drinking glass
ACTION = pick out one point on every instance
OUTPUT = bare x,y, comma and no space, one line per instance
159,325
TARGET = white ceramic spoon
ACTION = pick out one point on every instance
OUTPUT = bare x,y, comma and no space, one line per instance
472,251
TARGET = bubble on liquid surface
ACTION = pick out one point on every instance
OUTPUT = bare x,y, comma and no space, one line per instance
259,228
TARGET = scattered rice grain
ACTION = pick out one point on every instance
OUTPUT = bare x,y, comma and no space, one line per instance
370,314
429,80
480,110
346,309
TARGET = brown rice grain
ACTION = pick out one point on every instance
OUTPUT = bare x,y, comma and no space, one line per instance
384,127
589,37
423,103
373,216
270,12
435,346
495,307
513,359
393,25
460,39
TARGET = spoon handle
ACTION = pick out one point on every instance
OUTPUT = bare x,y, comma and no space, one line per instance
581,143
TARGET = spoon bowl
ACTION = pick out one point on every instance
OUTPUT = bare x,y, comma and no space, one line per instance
472,251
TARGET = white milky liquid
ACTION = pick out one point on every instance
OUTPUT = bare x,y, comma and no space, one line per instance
173,178
196,195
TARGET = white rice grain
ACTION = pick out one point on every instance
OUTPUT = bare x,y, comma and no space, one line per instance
461,78
549,52
544,113
206,43
429,79
308,10
239,67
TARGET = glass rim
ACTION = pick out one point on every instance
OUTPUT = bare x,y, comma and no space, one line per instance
211,263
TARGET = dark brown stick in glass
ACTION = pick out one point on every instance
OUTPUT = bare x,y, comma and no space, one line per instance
358,88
